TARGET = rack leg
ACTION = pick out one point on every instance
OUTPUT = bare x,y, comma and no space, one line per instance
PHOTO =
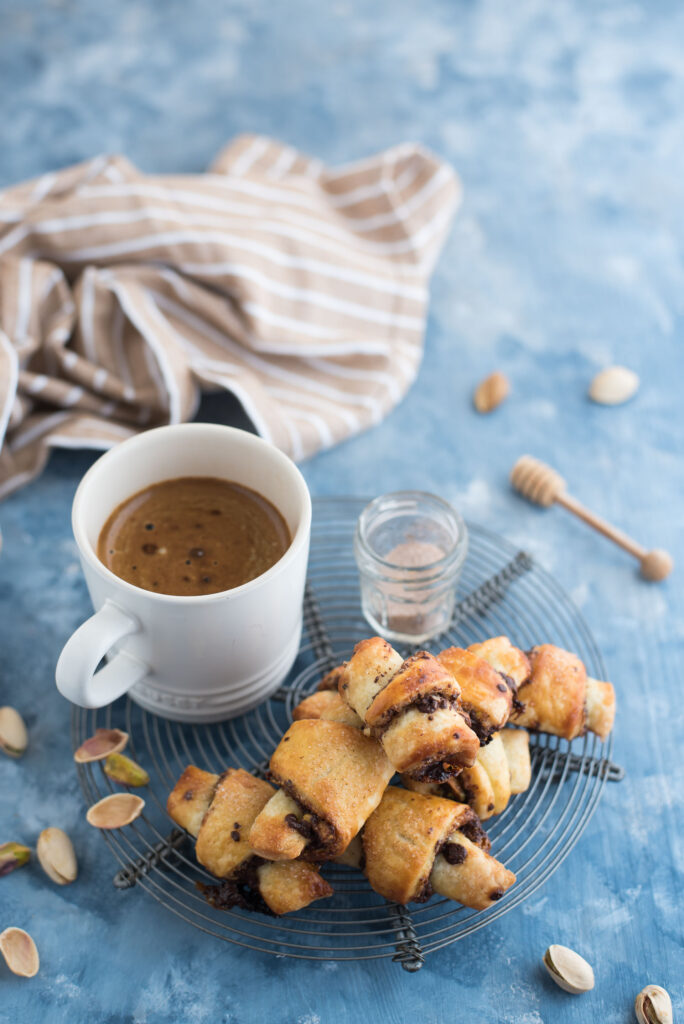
409,952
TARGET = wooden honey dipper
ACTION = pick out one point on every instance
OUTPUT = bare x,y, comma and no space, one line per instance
543,485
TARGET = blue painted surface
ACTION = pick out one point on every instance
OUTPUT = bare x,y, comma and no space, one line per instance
564,121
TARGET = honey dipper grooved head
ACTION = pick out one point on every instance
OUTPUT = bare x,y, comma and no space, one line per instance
536,481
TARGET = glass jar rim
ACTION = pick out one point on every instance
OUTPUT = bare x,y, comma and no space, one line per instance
456,553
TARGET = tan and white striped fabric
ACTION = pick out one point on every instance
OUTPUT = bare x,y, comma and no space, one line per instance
300,289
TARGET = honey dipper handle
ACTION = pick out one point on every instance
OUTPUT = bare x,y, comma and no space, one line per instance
607,529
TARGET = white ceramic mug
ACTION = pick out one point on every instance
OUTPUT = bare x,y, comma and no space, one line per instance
194,659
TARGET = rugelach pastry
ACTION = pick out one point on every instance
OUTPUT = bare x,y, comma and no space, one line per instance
412,707
329,705
415,845
502,768
489,674
331,778
219,811
559,697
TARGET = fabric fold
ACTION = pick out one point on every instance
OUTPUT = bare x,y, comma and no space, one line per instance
302,290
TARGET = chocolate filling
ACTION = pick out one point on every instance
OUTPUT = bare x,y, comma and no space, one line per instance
454,853
510,682
436,771
318,832
473,831
483,732
431,702
240,891
305,828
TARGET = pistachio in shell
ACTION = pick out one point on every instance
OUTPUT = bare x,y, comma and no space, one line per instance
19,951
115,811
12,856
55,852
100,745
653,1006
568,969
125,770
13,734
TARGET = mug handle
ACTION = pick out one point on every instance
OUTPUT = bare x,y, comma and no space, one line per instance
76,675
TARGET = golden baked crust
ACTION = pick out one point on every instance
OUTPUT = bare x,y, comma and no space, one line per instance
600,707
478,789
400,840
369,669
494,761
485,696
223,840
272,836
331,679
329,705
189,799
430,745
478,881
337,774
419,676
516,743
504,657
554,697
287,886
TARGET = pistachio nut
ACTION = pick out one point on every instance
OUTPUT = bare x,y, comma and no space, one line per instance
125,770
12,855
99,746
13,734
115,811
653,1006
568,969
19,951
56,855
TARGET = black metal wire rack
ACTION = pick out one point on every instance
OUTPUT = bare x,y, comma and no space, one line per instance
501,591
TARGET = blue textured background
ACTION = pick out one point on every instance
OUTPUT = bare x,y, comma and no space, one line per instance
565,123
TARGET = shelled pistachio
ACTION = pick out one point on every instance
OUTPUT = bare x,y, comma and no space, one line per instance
13,734
568,969
56,855
653,1006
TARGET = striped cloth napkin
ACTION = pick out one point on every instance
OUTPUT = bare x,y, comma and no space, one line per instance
301,290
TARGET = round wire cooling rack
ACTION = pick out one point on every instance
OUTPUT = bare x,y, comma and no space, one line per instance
501,591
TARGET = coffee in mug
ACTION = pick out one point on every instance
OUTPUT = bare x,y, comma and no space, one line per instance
192,536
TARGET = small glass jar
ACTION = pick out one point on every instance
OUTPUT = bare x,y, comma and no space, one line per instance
410,547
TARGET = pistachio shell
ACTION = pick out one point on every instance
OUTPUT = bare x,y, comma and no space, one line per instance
125,770
614,385
115,811
568,969
653,1006
101,745
13,735
12,855
55,852
19,951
